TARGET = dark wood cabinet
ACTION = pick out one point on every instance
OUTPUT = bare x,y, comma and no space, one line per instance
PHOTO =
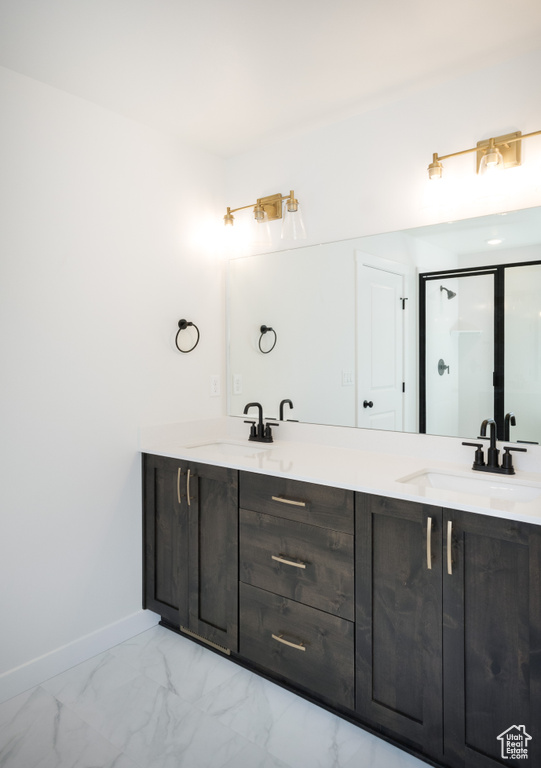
191,547
449,656
300,644
319,505
308,564
165,541
420,623
399,619
491,640
296,591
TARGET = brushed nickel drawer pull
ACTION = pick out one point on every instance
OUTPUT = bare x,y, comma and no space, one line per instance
429,543
298,646
287,561
188,487
289,501
449,547
178,484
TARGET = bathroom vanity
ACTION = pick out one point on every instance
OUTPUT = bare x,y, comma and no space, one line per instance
417,619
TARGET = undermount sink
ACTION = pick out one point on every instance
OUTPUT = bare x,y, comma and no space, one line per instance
493,486
223,448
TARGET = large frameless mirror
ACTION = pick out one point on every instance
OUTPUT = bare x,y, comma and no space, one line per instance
410,331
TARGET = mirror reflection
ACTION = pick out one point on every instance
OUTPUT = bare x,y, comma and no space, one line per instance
419,330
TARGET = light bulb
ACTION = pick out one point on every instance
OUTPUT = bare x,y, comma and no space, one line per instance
435,169
261,235
492,160
259,213
292,223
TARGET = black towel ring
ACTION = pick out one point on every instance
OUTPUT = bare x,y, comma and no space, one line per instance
264,329
182,325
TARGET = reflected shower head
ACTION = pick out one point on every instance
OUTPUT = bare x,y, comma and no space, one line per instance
450,294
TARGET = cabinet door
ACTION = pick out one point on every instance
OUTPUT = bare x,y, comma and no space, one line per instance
165,540
398,620
212,504
492,641
191,547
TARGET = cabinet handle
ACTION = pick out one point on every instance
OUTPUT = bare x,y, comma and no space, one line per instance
298,646
289,501
286,561
188,487
429,543
178,484
449,546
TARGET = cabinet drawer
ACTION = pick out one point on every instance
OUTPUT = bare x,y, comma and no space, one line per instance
318,567
294,500
303,645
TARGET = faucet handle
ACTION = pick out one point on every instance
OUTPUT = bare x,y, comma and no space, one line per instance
479,459
253,430
267,434
507,461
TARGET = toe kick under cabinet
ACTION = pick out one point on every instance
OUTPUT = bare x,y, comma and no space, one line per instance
419,623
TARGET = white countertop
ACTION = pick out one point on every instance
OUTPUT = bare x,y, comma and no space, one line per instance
358,460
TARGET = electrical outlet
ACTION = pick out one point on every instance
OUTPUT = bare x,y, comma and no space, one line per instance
237,384
347,378
215,385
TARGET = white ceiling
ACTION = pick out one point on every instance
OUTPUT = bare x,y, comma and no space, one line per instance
227,74
515,229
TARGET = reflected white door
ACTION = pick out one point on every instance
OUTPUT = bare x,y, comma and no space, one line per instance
380,349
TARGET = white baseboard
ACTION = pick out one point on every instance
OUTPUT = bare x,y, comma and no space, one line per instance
36,671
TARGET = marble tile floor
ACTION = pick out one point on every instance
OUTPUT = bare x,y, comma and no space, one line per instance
160,701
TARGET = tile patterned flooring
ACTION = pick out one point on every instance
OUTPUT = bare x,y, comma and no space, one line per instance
161,701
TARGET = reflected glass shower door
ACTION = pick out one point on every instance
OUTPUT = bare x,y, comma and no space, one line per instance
459,353
523,351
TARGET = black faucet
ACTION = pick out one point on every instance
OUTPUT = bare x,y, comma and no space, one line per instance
261,433
510,421
493,452
284,402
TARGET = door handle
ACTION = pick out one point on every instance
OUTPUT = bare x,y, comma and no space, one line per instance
449,547
282,500
178,484
288,561
281,639
188,487
429,543
368,404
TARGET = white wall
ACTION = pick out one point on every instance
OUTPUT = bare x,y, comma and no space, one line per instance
368,174
105,243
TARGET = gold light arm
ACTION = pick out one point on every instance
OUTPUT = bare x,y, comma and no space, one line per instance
272,205
242,207
510,146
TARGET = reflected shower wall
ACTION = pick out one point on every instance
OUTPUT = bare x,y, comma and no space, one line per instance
459,365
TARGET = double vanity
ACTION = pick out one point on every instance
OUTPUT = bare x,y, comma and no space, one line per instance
402,593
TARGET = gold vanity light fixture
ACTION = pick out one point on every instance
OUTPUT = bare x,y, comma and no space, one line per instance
492,154
274,207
